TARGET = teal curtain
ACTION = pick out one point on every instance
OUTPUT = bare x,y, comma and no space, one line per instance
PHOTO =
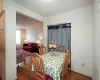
61,35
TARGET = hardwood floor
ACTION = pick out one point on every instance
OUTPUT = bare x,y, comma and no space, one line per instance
0,78
76,76
72,75
24,75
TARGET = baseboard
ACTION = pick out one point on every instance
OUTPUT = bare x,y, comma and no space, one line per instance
16,78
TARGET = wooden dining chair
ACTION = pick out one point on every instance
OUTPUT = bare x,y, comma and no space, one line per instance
39,68
61,48
65,65
42,50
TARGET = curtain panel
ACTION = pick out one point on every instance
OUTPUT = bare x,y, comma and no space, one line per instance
60,34
23,36
20,37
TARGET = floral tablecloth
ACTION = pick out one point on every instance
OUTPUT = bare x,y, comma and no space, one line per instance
53,64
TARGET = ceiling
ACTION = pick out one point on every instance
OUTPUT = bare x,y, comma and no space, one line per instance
49,8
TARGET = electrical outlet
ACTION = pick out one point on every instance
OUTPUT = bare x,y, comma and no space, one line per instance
83,65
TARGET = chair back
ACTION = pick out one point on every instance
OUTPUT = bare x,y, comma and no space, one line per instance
61,48
42,50
65,64
38,66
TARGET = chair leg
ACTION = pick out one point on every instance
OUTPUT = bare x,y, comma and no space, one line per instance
24,62
18,65
61,77
67,76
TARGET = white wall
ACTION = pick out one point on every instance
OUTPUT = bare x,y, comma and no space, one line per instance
10,40
34,28
96,40
81,36
10,31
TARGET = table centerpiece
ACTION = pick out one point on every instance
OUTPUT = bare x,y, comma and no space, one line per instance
52,47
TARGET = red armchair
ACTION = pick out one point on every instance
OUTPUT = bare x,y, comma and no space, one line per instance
31,47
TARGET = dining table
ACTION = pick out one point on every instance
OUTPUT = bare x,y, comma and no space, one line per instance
53,62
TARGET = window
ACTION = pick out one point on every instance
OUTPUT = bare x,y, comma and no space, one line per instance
18,36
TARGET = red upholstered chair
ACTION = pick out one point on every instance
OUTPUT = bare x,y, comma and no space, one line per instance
39,68
31,47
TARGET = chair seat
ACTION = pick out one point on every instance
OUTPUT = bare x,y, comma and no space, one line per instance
47,77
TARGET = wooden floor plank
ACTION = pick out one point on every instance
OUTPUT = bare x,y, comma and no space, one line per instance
71,74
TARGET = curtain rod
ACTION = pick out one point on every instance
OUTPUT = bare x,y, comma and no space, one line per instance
58,24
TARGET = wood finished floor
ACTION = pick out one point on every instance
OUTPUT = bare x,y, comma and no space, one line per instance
0,78
21,74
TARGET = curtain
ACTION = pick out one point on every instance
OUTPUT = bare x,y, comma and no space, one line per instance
20,37
60,34
23,36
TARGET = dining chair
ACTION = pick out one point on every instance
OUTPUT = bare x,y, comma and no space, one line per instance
42,50
61,48
65,65
38,64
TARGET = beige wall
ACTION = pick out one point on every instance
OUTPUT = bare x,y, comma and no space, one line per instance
34,28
